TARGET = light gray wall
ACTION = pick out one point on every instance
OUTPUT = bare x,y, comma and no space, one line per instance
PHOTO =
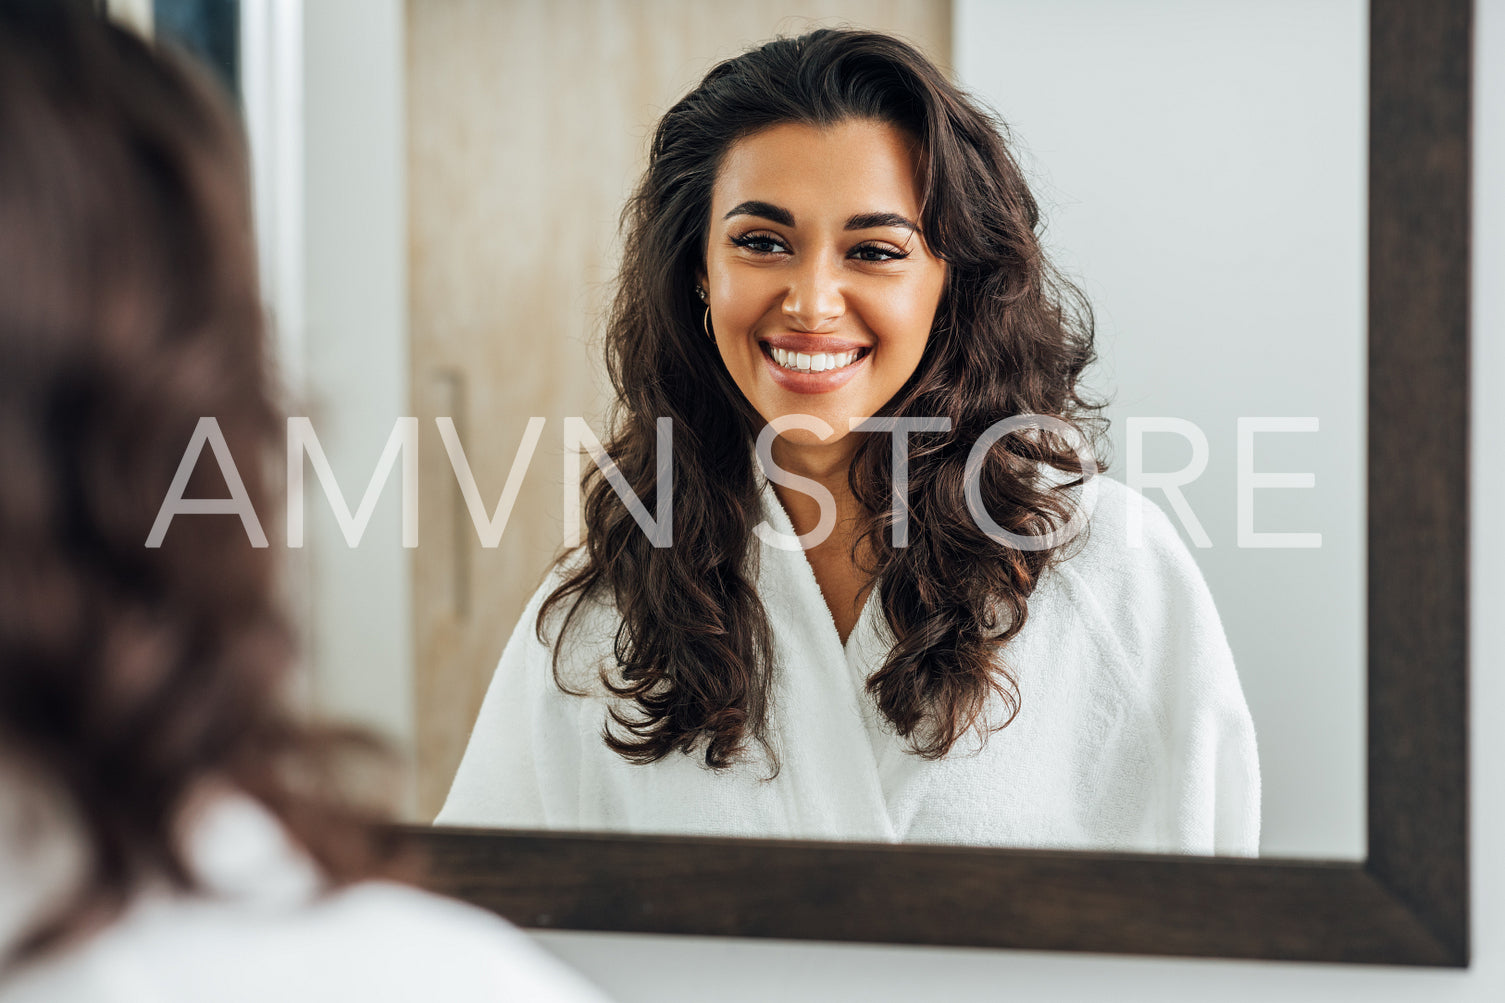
1201,169
355,213
642,968
324,101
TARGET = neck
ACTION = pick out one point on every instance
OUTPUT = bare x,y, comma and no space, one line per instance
826,463
828,466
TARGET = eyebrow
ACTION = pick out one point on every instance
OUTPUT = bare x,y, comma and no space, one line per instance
860,221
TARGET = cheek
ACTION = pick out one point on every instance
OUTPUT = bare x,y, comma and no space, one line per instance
906,318
741,315
740,299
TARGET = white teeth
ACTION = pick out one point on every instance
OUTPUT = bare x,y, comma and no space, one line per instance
816,363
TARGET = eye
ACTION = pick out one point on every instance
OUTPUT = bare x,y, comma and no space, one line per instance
878,252
760,243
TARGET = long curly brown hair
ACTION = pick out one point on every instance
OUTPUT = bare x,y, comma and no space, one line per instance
129,310
1010,337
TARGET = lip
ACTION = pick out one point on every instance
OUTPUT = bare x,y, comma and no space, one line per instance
811,383
810,344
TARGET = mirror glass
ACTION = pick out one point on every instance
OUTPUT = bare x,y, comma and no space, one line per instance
438,190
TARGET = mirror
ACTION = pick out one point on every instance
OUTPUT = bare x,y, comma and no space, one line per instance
1250,353
1225,254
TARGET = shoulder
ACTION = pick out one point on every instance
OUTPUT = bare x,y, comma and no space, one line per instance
568,643
444,949
578,633
263,930
374,940
1131,581
1129,552
1121,526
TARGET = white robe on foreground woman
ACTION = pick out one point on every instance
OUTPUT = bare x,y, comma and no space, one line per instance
1133,733
266,927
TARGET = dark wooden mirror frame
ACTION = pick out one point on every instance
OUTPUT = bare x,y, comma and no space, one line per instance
1407,903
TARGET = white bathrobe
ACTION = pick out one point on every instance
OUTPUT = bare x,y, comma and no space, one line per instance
1133,733
265,929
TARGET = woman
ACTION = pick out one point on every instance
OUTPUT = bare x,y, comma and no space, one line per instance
168,829
893,632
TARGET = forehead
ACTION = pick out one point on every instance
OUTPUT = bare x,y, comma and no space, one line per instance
852,166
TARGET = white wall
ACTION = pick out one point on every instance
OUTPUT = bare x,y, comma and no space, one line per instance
356,375
323,82
647,968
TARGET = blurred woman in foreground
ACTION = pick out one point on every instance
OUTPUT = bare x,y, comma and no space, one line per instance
168,829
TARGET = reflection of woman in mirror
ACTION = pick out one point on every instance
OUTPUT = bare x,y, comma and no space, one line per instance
169,829
828,228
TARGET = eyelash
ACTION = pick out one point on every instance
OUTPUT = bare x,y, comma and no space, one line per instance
748,240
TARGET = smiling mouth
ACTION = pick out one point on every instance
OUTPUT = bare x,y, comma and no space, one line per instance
817,362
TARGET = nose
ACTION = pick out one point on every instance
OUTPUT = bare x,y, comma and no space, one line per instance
814,300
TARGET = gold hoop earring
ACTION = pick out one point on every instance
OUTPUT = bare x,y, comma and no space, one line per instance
705,322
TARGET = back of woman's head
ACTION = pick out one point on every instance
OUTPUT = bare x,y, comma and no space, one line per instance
129,311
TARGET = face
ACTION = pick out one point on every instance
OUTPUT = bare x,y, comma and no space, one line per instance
822,288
